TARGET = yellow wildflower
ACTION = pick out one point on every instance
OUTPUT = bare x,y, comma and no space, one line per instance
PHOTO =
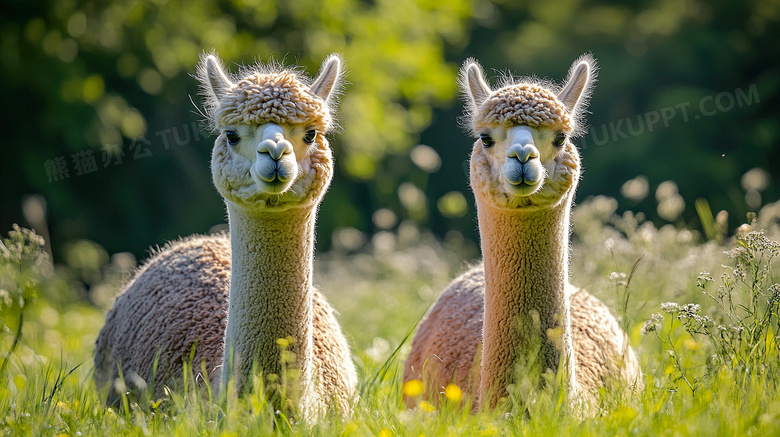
453,393
427,406
413,388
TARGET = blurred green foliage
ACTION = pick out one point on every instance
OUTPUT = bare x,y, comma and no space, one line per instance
688,91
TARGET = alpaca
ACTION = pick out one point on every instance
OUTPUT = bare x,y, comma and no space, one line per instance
518,307
229,299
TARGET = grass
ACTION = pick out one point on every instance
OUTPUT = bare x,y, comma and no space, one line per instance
708,312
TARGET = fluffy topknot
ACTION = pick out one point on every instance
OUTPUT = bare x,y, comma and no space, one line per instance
528,101
268,93
523,103
280,98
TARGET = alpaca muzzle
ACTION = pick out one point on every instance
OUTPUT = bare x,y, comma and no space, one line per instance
275,167
523,170
274,176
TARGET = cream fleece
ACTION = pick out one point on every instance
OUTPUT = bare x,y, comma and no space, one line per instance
179,299
232,301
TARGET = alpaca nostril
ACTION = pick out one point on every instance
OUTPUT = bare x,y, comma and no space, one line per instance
287,148
523,153
276,150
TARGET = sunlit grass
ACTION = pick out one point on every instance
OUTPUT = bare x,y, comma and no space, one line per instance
710,356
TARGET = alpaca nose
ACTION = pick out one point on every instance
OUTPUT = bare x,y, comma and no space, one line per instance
275,149
523,152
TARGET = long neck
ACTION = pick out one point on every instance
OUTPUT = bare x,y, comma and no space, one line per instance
270,294
526,308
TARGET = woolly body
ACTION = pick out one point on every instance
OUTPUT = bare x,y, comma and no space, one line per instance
234,300
520,303
179,299
448,343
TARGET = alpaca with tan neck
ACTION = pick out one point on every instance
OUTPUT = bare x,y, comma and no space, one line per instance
228,300
518,308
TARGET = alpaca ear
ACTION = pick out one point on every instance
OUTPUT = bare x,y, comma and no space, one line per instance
215,81
472,82
582,76
328,78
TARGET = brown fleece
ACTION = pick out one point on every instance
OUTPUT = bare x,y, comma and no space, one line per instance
447,345
525,279
518,308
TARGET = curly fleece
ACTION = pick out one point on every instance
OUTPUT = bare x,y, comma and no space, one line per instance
523,104
177,303
519,306
487,319
447,347
276,98
202,293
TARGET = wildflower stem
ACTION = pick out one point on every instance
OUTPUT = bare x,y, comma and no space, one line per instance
17,337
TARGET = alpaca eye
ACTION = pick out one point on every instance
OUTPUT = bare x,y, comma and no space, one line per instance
559,140
310,136
487,140
232,137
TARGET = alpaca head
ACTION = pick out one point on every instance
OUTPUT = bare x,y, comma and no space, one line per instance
271,153
523,157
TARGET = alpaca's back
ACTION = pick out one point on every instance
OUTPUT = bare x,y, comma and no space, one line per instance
446,346
179,299
602,353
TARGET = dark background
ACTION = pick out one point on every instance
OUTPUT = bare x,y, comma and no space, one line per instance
84,80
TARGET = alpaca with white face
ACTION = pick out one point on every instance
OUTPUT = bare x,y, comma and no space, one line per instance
518,307
226,301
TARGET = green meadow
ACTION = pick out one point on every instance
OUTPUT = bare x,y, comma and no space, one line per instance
676,224
701,310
